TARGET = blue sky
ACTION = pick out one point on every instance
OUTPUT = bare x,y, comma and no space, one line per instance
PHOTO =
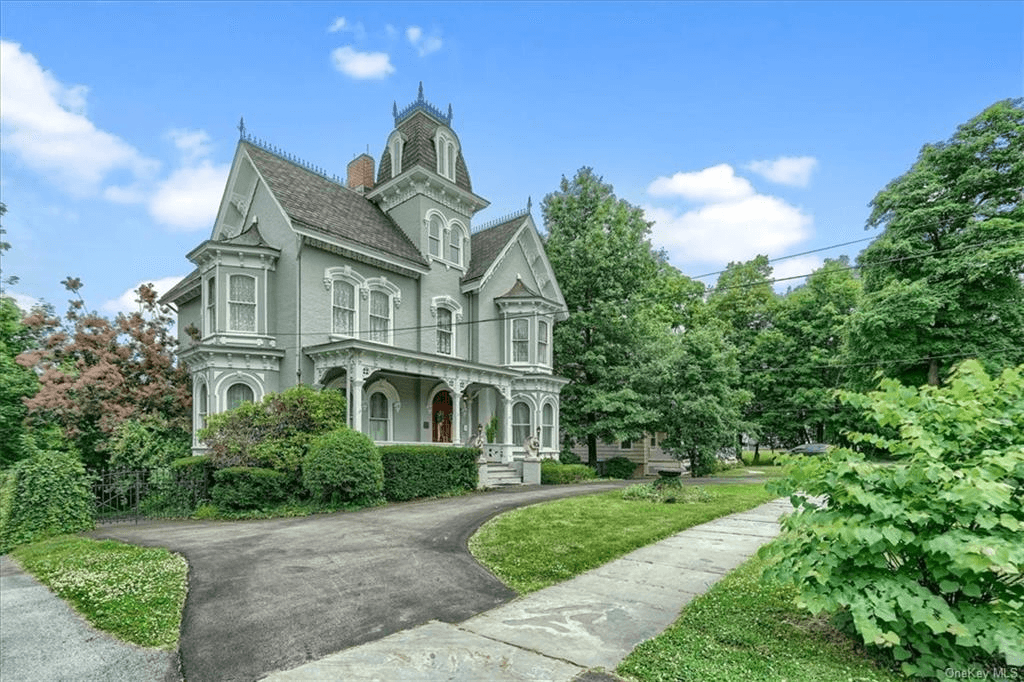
740,128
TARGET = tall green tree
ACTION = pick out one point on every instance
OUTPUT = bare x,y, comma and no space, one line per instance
812,319
944,279
599,248
17,383
745,302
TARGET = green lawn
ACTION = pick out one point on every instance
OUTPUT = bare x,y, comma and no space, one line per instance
747,629
134,593
537,546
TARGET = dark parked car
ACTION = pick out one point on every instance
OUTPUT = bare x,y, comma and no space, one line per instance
811,449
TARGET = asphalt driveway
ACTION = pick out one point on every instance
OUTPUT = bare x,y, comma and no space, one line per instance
271,595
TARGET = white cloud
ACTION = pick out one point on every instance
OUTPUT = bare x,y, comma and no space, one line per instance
44,124
24,302
127,302
362,65
189,198
729,231
193,144
343,24
786,170
424,46
717,183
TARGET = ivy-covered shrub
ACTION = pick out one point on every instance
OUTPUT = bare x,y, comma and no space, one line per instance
924,555
412,471
619,467
180,488
551,472
343,466
147,443
49,493
274,433
239,488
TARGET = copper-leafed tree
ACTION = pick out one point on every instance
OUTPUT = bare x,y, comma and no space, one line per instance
96,373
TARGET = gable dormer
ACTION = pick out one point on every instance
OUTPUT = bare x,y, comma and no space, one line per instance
423,183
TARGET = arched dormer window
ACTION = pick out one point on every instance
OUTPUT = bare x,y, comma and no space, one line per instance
396,146
447,150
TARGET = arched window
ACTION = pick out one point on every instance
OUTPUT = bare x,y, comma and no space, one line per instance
451,162
444,331
434,237
238,394
395,145
380,417
380,317
344,308
242,303
455,246
520,423
548,421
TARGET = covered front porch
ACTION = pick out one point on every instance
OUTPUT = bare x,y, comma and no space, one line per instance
403,397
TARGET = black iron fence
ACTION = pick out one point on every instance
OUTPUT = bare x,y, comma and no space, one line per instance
130,494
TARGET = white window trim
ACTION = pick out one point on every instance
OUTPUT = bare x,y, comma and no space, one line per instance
446,230
450,304
554,420
447,153
394,404
396,144
255,304
530,423
210,310
394,295
238,382
512,340
546,360
349,276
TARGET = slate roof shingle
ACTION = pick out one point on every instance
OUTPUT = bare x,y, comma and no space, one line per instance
486,245
331,209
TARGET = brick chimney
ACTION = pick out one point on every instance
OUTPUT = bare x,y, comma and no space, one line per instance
360,173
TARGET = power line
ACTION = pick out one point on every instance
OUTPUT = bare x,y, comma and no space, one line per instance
794,255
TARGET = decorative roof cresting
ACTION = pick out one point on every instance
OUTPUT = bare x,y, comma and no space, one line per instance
421,105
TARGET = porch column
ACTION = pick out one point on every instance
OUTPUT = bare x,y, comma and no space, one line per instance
357,405
456,415
506,394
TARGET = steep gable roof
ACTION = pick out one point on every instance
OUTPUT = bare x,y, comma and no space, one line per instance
331,209
487,244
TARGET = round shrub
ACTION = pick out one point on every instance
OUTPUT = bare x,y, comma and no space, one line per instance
343,466
47,494
619,467
239,488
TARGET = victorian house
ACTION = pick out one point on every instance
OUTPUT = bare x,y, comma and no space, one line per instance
381,287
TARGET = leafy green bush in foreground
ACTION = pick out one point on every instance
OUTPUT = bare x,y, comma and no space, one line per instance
412,471
343,465
923,556
47,494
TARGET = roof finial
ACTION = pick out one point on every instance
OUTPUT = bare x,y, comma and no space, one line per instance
241,128
394,109
449,113
420,99
529,204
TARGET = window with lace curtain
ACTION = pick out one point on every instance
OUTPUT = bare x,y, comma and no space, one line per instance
344,308
380,317
520,340
379,417
444,331
242,303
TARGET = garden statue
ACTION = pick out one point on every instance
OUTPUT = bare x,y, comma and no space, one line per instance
532,446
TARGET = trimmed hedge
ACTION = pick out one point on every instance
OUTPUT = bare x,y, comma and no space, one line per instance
343,466
50,493
553,472
412,471
239,488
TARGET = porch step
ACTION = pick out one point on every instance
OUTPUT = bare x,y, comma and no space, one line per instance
502,475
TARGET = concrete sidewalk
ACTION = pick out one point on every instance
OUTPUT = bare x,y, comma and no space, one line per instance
42,638
559,633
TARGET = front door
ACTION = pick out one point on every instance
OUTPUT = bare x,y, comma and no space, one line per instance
441,415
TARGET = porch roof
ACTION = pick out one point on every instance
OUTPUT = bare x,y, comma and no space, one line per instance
342,353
